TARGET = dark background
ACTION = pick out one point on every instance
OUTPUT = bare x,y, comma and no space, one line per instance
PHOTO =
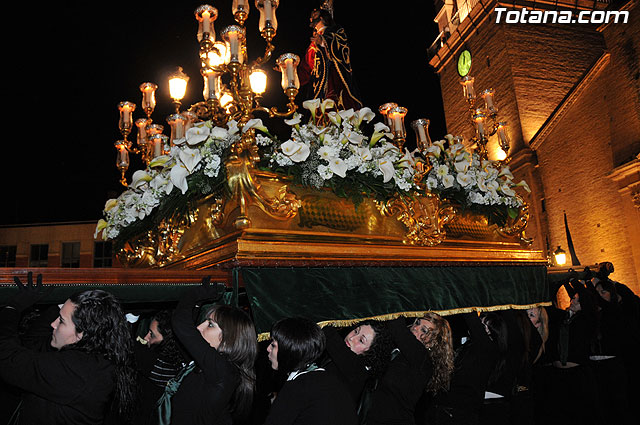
83,58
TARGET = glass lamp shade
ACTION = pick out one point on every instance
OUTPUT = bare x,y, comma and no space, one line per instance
396,118
234,36
258,80
503,139
267,9
206,15
148,97
156,145
421,127
191,118
479,121
122,157
178,84
154,129
240,9
489,101
288,64
176,122
384,109
141,138
212,84
125,122
560,256
467,88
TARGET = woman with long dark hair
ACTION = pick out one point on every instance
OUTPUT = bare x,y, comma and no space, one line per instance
359,358
217,386
88,371
310,395
422,362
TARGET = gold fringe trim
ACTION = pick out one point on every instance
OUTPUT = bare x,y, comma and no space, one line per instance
384,317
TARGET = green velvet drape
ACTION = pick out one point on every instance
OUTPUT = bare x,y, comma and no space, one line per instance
347,294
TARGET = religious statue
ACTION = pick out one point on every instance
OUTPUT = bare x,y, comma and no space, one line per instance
326,69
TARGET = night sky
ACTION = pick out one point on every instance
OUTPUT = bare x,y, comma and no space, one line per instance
86,57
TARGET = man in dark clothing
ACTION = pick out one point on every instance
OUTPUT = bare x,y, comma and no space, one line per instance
74,382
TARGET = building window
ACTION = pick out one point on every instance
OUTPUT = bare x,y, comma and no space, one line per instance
102,254
7,256
70,254
39,256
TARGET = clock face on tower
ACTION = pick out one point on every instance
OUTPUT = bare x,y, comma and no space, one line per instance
464,63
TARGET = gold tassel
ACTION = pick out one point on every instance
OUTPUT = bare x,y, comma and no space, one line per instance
384,317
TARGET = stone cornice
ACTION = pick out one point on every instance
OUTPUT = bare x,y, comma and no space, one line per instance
575,93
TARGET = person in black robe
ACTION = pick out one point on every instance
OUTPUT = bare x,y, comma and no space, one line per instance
325,71
310,395
87,371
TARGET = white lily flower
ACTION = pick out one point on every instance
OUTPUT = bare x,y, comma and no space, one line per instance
462,166
312,105
480,182
294,120
492,185
524,185
110,204
139,179
197,134
160,182
507,190
335,118
387,169
102,224
327,104
232,126
338,166
506,172
296,151
364,153
354,137
219,133
364,114
447,181
379,131
346,114
255,123
159,161
190,158
381,127
178,177
449,138
465,179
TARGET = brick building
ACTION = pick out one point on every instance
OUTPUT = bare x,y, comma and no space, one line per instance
69,244
570,93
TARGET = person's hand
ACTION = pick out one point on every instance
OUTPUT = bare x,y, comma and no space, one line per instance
207,292
28,294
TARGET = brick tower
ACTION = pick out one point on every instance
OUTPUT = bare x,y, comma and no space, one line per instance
570,92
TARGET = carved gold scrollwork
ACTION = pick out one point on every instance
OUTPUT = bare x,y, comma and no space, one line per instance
246,190
424,216
159,246
517,225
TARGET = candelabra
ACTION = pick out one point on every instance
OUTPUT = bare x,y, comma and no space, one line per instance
484,116
233,87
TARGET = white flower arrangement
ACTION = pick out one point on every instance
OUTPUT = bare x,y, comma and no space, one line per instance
332,145
330,150
201,151
471,180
